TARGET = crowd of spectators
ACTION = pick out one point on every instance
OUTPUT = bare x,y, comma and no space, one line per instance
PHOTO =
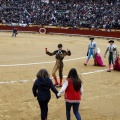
73,14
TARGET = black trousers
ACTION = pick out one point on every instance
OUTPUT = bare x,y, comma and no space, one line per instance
44,109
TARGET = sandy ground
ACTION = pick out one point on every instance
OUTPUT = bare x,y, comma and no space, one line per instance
23,56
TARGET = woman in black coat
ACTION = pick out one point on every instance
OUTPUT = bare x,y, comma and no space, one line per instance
41,90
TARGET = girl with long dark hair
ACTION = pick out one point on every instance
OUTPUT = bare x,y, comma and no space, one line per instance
73,90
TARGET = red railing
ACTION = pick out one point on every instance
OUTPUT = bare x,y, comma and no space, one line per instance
112,34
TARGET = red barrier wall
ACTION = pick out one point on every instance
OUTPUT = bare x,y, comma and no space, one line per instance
85,32
34,29
114,34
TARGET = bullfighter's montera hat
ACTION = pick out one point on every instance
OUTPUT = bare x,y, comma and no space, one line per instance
111,41
91,38
60,45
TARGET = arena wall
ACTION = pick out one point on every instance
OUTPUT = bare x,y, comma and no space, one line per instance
112,34
20,28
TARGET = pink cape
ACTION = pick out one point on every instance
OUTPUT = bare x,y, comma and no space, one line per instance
98,60
117,64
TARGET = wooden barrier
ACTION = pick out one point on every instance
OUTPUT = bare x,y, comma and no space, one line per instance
85,32
113,34
32,29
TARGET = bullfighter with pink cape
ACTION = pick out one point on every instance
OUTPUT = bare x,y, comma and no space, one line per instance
93,50
113,54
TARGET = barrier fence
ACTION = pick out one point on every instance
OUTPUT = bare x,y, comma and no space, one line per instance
112,34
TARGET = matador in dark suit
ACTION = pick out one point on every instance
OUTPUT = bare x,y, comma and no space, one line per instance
59,55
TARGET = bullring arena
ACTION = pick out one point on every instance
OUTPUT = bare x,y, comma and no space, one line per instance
23,56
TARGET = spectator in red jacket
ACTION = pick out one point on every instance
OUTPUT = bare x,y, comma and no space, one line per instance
73,90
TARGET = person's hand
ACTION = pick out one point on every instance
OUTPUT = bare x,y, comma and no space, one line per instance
87,54
58,96
68,50
45,49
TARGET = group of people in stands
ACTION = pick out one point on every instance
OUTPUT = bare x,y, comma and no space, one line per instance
73,14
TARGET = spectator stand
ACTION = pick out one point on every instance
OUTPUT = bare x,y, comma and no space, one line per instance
74,17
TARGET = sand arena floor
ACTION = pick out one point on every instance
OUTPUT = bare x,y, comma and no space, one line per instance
23,56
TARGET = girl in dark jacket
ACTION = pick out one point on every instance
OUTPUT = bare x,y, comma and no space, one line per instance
41,90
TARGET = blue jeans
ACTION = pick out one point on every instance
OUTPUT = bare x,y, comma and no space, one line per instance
75,110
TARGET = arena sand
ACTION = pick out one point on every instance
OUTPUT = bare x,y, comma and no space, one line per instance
23,56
